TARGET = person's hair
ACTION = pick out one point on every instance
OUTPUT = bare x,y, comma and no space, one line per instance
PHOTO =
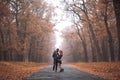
61,52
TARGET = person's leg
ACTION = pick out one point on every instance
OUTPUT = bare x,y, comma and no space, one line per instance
59,65
53,65
56,64
61,69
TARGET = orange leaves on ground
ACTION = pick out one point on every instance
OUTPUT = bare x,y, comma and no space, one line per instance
106,70
18,70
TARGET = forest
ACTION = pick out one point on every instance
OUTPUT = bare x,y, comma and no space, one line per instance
25,30
87,31
27,34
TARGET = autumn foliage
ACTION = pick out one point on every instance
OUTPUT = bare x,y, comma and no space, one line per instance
25,30
93,37
107,71
18,70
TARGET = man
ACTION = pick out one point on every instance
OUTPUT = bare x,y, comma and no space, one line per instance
55,59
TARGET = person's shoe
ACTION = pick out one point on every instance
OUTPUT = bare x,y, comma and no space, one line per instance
61,70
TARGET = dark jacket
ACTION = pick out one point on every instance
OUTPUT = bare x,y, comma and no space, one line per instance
59,59
60,56
55,55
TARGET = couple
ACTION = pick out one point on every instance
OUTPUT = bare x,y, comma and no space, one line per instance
57,55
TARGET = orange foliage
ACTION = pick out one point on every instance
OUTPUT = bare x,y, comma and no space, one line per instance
106,70
18,70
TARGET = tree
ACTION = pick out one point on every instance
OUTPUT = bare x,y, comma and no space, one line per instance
25,30
98,25
83,11
104,13
116,4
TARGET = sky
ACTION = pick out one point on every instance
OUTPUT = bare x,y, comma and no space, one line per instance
60,19
58,32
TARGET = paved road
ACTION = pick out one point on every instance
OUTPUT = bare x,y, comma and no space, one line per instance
68,74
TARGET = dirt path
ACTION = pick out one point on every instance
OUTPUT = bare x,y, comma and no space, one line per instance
68,74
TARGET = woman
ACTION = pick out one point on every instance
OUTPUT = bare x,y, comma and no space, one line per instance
60,61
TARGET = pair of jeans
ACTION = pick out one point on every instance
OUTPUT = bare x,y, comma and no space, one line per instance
55,65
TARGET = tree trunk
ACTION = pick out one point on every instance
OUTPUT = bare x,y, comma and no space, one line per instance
94,59
26,57
110,40
116,4
104,50
92,32
83,44
95,43
2,45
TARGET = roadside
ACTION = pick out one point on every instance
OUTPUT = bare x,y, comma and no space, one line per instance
106,70
18,70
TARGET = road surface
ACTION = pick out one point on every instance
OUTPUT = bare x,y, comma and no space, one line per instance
68,74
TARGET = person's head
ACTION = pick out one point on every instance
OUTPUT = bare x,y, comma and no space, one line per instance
57,49
61,52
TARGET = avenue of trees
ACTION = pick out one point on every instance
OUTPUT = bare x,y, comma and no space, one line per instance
25,30
96,34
